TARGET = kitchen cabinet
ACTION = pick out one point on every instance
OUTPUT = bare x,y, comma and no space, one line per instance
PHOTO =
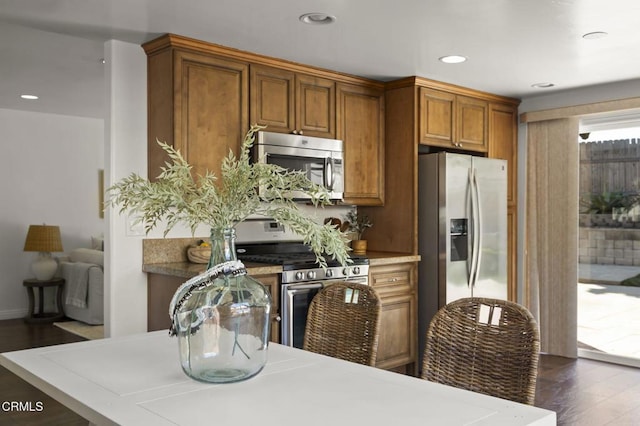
503,128
290,102
396,284
197,102
161,288
203,96
360,113
503,144
160,291
271,282
452,121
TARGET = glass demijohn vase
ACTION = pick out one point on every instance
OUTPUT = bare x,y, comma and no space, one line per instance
221,318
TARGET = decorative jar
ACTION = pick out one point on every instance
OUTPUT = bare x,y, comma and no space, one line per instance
221,318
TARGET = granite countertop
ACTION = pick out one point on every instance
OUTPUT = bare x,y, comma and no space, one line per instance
186,269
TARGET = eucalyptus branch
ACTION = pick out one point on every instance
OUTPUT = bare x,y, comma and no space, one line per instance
176,197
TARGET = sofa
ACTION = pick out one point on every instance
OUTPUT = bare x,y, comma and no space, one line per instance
83,295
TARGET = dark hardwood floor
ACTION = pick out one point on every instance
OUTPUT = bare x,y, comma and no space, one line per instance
16,335
581,392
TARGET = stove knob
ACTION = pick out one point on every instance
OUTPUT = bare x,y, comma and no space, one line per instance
356,270
299,276
345,271
329,273
311,275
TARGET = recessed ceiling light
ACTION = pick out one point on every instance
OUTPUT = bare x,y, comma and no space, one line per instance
594,35
30,97
542,85
453,59
317,18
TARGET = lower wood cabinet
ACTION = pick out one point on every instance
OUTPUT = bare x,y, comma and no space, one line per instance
396,285
271,282
161,288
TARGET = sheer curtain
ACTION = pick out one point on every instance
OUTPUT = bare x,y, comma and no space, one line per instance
551,261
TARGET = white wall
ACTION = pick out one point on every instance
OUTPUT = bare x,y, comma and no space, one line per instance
49,174
125,153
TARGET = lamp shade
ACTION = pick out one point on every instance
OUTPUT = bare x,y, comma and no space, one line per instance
43,238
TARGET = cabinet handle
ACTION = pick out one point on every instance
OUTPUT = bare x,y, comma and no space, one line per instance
277,319
300,132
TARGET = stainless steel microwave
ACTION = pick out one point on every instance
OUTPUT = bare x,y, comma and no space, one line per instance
320,159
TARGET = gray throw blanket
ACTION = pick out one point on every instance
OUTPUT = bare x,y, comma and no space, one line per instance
77,282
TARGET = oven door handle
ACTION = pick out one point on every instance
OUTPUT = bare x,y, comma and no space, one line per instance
304,286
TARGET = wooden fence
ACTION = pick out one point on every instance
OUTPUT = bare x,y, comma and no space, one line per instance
610,166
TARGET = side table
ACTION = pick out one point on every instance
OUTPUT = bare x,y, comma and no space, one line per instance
42,316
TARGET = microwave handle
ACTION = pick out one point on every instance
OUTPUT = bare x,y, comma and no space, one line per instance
329,178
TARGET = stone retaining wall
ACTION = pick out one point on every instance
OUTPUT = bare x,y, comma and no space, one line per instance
608,246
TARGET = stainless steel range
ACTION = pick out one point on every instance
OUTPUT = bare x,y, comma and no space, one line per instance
300,280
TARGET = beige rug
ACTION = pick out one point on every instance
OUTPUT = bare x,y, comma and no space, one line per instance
81,329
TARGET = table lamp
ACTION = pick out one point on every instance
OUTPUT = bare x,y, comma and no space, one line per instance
43,239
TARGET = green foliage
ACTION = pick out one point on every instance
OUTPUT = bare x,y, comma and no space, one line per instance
605,203
358,223
176,197
632,282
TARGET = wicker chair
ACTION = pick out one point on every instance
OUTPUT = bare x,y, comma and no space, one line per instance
343,322
484,345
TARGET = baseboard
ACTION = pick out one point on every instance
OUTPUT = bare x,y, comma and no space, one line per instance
13,314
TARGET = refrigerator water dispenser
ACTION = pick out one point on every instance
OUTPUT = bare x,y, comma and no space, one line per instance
459,241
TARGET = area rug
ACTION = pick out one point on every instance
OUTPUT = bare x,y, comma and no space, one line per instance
91,332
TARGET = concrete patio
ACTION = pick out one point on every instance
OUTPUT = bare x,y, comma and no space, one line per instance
608,314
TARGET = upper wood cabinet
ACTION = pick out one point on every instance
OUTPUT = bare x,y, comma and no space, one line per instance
423,116
290,102
452,121
199,103
360,113
503,130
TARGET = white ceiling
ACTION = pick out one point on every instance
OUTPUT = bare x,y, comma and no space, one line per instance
52,48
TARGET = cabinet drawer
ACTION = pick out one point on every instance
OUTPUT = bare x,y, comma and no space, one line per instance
392,278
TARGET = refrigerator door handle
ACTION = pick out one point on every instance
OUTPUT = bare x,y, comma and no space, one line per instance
478,230
472,229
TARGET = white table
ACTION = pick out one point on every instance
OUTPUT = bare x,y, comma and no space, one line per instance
137,380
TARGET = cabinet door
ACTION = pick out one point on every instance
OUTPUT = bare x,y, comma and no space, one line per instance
272,98
270,281
396,344
437,115
211,109
396,286
471,124
360,115
315,106
503,140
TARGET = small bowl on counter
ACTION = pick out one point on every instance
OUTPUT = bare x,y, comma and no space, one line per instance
199,254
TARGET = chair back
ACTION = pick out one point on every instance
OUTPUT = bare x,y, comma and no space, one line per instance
343,322
484,345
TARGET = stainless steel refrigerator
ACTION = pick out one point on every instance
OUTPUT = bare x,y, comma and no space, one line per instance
462,225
